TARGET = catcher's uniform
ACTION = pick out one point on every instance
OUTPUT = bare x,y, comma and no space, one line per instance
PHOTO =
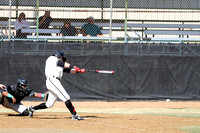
19,94
54,74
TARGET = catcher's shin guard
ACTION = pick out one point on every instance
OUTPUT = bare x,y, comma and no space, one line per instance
70,107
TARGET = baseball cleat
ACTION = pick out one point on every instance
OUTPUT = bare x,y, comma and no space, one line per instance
30,110
77,117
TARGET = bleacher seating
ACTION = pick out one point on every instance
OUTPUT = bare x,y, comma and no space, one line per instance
145,29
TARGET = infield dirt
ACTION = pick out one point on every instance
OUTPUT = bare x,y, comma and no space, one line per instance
106,117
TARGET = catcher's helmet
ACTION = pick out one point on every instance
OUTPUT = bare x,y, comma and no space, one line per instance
58,54
22,82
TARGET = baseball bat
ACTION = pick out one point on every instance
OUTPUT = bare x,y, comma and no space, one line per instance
101,71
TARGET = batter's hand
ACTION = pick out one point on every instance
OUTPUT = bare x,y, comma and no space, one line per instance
77,69
82,71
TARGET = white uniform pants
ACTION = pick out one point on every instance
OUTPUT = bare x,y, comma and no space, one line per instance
18,107
56,90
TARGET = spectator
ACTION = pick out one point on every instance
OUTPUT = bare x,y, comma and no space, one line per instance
44,22
21,23
68,29
90,29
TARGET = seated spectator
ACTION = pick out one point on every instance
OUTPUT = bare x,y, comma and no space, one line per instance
90,29
21,23
68,29
44,22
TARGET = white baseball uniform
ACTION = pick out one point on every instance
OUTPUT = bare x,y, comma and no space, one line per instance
54,74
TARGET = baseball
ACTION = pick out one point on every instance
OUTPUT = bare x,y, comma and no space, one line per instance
167,100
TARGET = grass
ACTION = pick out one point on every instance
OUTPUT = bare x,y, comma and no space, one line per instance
185,112
192,129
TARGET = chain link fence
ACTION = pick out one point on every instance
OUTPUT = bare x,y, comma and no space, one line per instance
31,30
56,20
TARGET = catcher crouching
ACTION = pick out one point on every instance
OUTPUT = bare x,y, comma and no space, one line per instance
12,95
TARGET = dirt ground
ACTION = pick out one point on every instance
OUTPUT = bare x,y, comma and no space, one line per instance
106,117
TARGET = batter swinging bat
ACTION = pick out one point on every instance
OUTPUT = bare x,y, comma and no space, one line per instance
101,71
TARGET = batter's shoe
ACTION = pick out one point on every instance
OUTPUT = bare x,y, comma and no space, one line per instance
30,110
77,117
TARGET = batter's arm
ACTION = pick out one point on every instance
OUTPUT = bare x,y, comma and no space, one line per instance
66,65
74,69
63,64
68,68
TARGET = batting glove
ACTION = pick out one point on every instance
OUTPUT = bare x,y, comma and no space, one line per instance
82,71
77,69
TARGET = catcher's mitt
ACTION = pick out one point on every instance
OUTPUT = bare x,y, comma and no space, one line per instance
46,94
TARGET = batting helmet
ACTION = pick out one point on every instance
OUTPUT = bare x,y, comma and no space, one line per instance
58,54
22,82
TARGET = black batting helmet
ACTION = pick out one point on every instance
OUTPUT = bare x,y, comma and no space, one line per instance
22,82
59,54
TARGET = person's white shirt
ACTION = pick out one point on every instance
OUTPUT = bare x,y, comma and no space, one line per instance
52,69
23,24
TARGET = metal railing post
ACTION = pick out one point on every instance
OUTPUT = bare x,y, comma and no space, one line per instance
10,5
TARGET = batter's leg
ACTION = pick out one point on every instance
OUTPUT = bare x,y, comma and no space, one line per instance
61,93
50,102
70,107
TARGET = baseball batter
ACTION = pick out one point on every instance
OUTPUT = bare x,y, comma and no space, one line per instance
54,68
12,95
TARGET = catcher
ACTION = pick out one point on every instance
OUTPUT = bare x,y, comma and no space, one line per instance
11,97
2,86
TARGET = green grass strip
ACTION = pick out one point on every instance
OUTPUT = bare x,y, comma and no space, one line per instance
192,129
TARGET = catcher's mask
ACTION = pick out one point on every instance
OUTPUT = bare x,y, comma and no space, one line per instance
22,83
